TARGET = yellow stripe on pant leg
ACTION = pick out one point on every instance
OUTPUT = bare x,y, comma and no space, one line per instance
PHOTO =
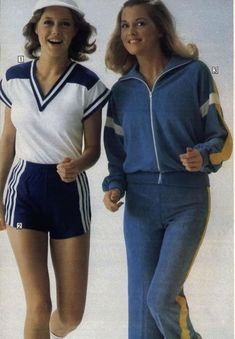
185,334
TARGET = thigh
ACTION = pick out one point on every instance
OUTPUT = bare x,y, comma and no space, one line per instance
185,228
142,227
143,238
69,206
30,249
70,260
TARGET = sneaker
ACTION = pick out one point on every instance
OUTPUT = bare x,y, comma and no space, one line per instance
55,337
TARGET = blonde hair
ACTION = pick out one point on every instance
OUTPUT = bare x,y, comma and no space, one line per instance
120,61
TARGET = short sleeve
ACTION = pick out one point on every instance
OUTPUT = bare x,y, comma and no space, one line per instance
5,93
96,97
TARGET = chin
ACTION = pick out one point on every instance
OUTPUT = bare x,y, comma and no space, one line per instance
133,51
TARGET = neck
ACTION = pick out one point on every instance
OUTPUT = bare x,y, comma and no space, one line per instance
150,66
55,65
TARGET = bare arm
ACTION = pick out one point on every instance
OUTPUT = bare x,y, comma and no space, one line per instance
7,154
68,169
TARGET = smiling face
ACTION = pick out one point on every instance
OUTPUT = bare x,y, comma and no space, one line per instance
139,34
55,31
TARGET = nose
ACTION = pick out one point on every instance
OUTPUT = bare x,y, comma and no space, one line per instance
55,29
131,30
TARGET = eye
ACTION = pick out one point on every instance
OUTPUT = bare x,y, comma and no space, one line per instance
124,25
140,23
47,22
66,24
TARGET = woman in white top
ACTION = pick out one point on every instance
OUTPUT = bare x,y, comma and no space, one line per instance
52,104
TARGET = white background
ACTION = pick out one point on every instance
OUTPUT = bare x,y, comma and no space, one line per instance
209,288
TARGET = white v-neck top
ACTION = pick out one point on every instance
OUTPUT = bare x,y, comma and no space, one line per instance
50,127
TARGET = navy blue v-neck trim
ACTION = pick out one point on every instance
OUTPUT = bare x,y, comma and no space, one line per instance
44,100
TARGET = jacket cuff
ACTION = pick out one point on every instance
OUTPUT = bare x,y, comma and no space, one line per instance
207,166
205,157
109,185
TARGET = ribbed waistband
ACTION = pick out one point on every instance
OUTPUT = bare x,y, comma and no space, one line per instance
188,179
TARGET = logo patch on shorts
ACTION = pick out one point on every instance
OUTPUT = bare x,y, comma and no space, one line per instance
19,225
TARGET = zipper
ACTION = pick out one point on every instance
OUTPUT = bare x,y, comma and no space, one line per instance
154,138
151,110
151,120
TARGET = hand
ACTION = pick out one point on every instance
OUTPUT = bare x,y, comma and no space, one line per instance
68,170
111,200
2,217
192,160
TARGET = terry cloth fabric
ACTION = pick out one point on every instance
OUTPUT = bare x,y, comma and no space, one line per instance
63,3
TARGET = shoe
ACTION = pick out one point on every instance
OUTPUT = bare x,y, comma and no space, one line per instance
55,337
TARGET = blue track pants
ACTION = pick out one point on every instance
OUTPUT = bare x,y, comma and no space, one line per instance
164,227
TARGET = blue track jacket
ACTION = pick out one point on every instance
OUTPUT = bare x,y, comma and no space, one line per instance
146,130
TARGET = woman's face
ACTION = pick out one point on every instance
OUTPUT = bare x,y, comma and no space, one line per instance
139,34
55,31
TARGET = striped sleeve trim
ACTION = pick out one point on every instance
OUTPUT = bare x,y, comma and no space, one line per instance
225,153
4,97
111,124
213,99
100,101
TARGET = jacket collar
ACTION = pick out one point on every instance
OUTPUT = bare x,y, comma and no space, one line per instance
174,62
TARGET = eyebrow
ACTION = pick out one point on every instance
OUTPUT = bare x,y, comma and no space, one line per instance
141,18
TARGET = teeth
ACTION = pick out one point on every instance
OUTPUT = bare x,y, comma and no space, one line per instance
55,41
133,41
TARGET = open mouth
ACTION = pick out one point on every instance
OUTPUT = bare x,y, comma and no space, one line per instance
133,41
55,41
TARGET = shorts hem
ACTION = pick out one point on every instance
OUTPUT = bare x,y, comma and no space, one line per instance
56,237
27,228
69,236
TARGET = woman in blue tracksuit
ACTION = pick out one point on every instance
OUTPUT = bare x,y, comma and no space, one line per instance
164,133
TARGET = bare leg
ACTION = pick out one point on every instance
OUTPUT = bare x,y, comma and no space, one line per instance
70,259
30,249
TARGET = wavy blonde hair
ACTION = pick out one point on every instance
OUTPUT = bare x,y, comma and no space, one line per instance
120,61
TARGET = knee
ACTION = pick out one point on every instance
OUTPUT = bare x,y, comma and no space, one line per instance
158,304
39,311
71,319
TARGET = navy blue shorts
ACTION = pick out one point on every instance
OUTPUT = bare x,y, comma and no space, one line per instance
37,199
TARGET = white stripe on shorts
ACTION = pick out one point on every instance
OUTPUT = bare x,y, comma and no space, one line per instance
84,201
11,196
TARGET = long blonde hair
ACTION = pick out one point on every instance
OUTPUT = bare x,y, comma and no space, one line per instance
120,61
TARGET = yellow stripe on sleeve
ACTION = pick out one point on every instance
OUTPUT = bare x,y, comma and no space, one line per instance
225,153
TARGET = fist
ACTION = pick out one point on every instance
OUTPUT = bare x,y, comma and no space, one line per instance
111,200
191,160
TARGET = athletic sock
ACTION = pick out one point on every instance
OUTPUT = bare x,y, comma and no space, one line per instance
55,337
